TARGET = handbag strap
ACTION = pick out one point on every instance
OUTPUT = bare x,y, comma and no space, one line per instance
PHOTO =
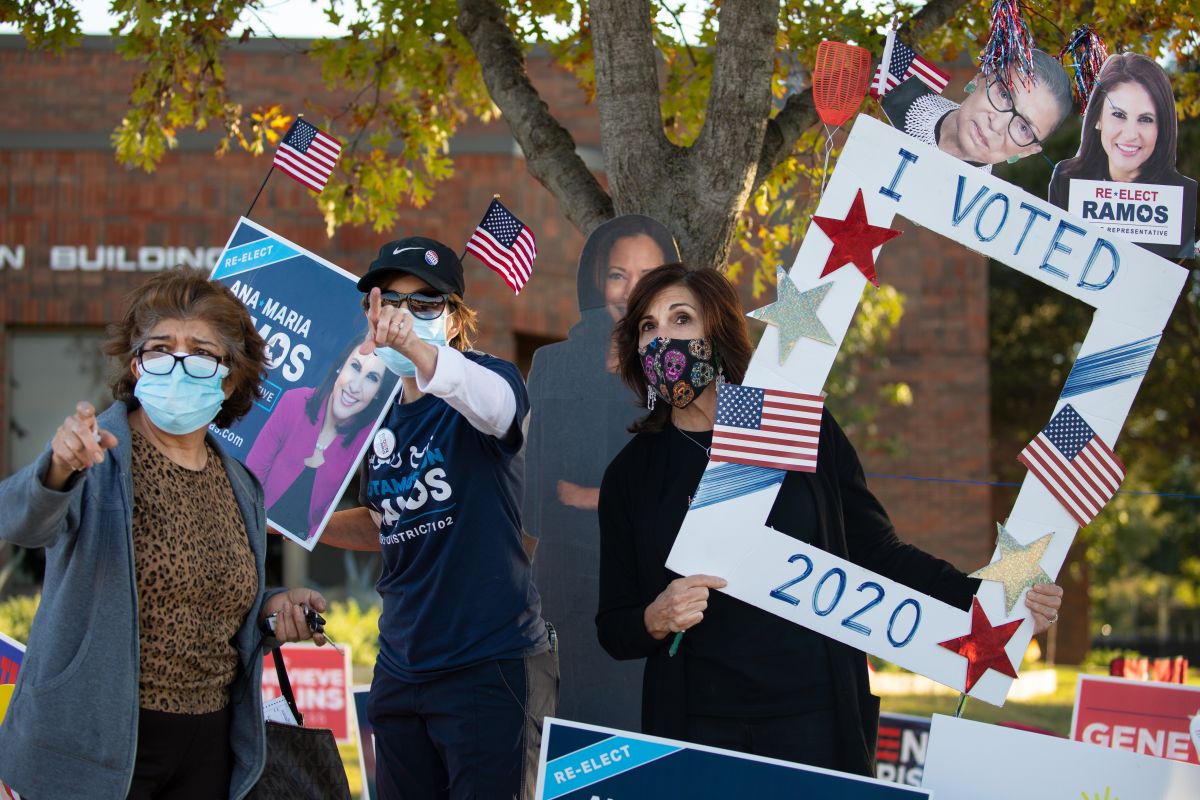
285,685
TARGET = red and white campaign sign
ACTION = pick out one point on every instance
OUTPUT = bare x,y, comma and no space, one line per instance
900,748
1155,719
320,678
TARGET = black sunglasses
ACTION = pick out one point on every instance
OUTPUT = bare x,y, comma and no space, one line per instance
420,304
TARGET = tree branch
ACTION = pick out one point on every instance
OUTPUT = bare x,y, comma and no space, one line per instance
799,113
627,95
722,164
739,100
549,148
933,15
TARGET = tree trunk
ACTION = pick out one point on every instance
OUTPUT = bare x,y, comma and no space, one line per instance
698,192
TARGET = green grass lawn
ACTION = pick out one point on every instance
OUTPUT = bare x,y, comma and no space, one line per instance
1051,712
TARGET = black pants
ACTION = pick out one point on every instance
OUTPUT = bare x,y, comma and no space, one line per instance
801,738
471,733
182,756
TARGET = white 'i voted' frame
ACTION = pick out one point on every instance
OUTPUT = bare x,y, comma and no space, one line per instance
1133,292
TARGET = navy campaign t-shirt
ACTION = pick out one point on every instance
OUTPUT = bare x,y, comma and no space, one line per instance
457,586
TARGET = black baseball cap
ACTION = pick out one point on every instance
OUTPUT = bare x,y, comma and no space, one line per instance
428,259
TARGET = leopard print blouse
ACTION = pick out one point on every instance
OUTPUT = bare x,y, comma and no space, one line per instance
196,580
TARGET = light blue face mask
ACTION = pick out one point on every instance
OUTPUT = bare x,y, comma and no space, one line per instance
430,331
178,403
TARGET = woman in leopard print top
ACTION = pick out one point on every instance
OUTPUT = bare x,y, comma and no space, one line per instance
142,675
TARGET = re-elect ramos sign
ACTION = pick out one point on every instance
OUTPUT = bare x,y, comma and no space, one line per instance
1139,212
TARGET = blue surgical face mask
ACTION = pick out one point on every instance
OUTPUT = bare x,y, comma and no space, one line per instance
178,403
430,331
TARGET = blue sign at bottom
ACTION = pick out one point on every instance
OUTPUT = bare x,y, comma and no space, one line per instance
581,762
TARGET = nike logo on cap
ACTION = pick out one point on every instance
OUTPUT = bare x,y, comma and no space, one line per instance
400,250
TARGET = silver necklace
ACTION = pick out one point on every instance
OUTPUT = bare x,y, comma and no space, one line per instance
693,441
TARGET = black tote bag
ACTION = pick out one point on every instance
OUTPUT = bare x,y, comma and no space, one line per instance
302,763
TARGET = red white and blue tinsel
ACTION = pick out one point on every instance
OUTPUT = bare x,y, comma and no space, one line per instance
1083,55
1009,48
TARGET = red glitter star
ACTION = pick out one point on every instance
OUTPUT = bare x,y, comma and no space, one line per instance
854,239
983,647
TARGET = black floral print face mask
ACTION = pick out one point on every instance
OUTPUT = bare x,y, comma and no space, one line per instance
678,369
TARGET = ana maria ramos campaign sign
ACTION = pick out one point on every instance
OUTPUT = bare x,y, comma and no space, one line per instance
322,398
583,762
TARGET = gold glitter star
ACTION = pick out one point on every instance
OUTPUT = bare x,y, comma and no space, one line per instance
794,313
1019,567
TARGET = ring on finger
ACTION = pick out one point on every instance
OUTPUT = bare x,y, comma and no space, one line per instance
1054,619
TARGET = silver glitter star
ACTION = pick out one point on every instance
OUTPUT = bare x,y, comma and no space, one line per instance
794,313
1019,566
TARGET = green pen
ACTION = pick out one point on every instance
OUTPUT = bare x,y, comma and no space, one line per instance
674,648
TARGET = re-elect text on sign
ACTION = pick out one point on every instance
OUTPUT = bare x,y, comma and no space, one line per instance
1139,212
1146,717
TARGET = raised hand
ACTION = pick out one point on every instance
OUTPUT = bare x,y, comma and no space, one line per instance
387,326
78,445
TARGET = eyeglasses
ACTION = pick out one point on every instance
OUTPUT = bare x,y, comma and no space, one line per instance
156,362
999,94
420,304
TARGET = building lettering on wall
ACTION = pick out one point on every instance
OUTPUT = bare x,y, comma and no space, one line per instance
116,258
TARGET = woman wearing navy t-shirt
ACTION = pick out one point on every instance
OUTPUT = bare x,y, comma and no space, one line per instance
466,672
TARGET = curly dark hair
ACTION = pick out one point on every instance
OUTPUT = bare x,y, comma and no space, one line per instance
182,293
724,325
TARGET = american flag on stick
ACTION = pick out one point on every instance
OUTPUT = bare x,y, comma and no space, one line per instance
505,244
767,427
1078,468
899,63
307,154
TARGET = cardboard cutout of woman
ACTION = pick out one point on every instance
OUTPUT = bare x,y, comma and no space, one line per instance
1129,135
580,412
1001,119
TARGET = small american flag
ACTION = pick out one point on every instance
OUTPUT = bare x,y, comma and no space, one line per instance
899,63
505,244
308,155
767,427
1079,469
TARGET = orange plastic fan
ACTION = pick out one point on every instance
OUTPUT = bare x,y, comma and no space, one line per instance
840,80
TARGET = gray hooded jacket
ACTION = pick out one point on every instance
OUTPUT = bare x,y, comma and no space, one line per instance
71,727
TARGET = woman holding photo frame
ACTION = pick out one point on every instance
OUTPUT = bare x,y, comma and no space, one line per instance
742,678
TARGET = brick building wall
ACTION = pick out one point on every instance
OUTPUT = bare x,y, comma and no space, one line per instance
940,350
60,185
